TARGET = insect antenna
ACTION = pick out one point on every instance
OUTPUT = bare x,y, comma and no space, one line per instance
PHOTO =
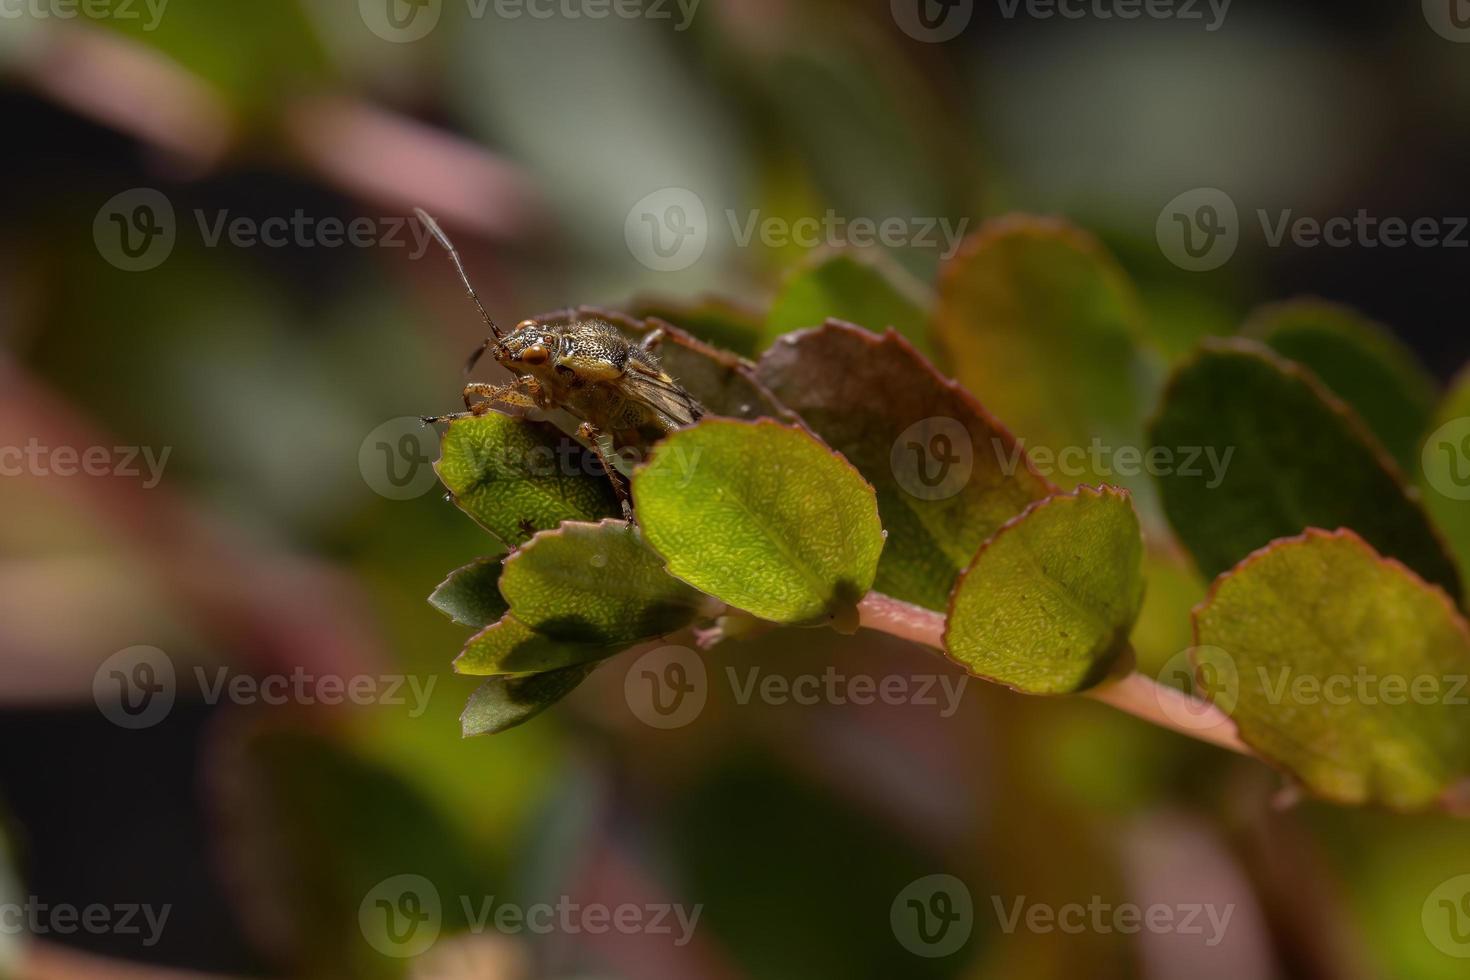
448,246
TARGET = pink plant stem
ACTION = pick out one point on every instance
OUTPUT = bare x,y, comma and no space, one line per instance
1135,693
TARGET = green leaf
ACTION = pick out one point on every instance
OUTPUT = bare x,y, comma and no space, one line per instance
595,583
1039,321
1048,605
1444,471
509,646
1360,361
1298,458
842,286
1323,645
763,517
505,702
947,475
471,595
516,477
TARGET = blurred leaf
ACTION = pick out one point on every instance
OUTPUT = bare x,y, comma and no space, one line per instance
310,831
1299,458
471,595
842,286
516,477
764,517
509,646
505,702
1324,607
1360,361
1049,603
595,583
724,383
947,475
258,56
1040,322
813,912
714,320
1445,471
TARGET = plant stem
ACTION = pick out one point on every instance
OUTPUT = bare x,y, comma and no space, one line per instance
1135,693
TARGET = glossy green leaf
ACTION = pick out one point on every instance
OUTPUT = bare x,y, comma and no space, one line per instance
505,702
516,477
471,595
1049,602
509,646
1344,668
596,583
764,517
1443,468
1039,322
947,475
1360,361
843,286
1292,457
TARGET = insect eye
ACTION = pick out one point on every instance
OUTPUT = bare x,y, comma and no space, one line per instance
535,354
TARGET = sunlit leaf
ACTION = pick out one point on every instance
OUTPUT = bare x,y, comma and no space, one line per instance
1049,602
764,517
1342,667
947,475
516,477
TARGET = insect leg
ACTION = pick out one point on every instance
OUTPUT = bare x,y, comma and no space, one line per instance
652,340
588,432
520,393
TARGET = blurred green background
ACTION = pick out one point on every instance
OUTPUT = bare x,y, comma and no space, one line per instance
273,543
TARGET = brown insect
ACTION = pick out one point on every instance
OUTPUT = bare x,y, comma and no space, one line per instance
588,368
